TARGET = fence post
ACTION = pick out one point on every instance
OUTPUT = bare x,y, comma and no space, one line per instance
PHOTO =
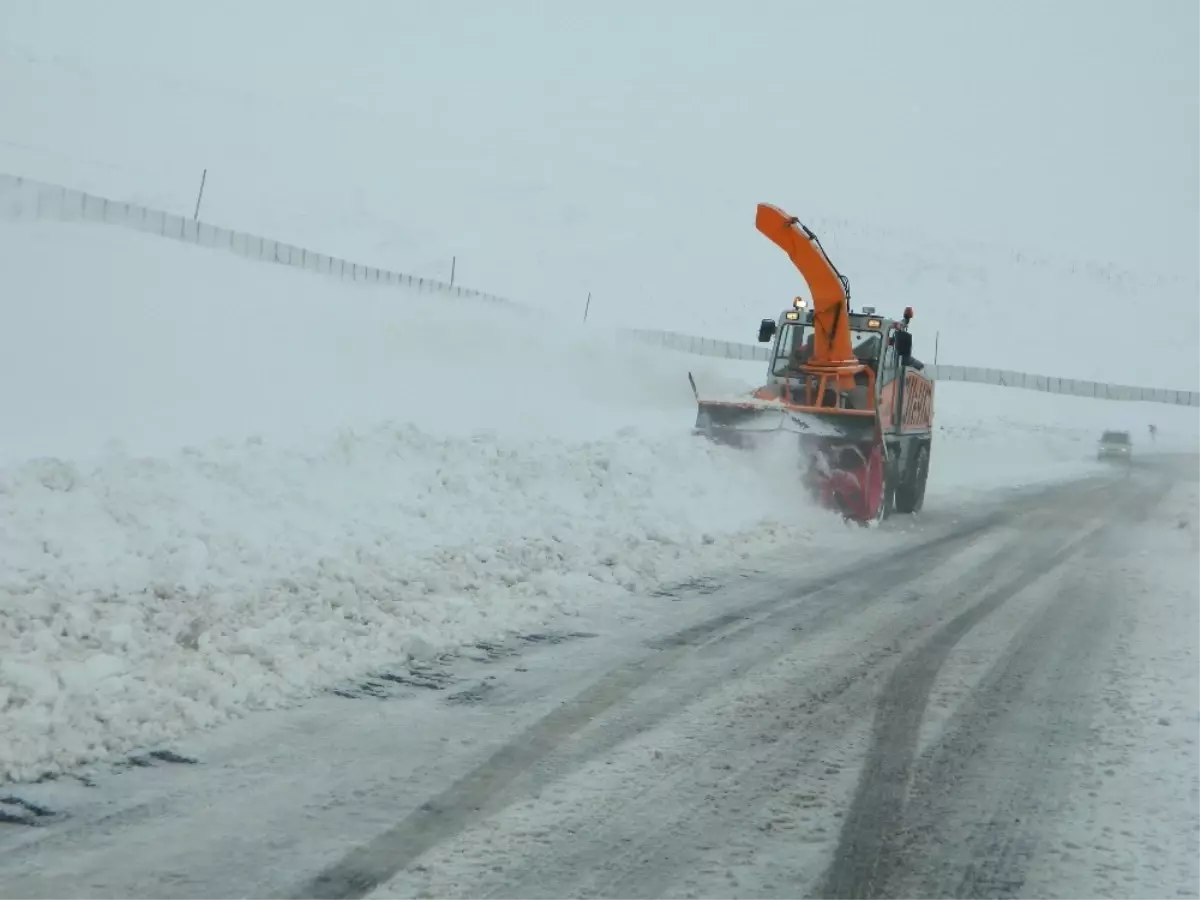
200,196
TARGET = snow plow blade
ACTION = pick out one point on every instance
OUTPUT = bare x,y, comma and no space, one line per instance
741,423
839,452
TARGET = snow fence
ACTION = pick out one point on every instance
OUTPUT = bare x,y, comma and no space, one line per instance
25,198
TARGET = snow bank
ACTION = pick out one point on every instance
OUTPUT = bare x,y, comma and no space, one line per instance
145,597
228,485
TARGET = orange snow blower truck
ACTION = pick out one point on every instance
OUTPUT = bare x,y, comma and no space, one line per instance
844,383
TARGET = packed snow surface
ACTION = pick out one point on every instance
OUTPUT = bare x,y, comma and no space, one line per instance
226,485
1135,812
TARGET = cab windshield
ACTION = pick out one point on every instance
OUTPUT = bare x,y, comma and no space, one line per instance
795,347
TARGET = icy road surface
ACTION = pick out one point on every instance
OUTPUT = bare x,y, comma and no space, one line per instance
1002,703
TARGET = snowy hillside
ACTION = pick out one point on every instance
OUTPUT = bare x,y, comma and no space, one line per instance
348,129
125,336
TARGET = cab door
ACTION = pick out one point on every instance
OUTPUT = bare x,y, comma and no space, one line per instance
891,388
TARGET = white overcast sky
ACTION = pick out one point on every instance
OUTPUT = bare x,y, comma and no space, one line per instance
1069,125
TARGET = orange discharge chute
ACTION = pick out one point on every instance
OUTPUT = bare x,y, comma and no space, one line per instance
831,344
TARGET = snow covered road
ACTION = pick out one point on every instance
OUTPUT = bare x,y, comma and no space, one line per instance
1000,702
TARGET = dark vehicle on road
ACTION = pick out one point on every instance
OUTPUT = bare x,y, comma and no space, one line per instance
1115,445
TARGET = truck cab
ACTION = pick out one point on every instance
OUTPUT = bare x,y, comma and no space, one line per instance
872,338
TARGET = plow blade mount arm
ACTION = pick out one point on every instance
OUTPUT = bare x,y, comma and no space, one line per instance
831,345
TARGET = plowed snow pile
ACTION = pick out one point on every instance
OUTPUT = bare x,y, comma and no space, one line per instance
226,485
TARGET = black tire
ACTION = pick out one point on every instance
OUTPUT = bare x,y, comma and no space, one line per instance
910,493
888,504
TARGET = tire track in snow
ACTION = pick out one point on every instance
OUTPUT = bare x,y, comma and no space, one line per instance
1008,746
366,867
864,857
881,838
789,747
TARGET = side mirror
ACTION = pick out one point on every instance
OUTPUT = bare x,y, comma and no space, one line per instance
903,346
766,330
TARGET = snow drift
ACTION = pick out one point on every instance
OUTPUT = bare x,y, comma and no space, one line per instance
148,596
227,485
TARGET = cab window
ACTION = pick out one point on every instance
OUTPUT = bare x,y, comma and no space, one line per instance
793,349
888,372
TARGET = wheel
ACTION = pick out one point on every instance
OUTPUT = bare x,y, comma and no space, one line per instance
887,499
922,477
910,494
